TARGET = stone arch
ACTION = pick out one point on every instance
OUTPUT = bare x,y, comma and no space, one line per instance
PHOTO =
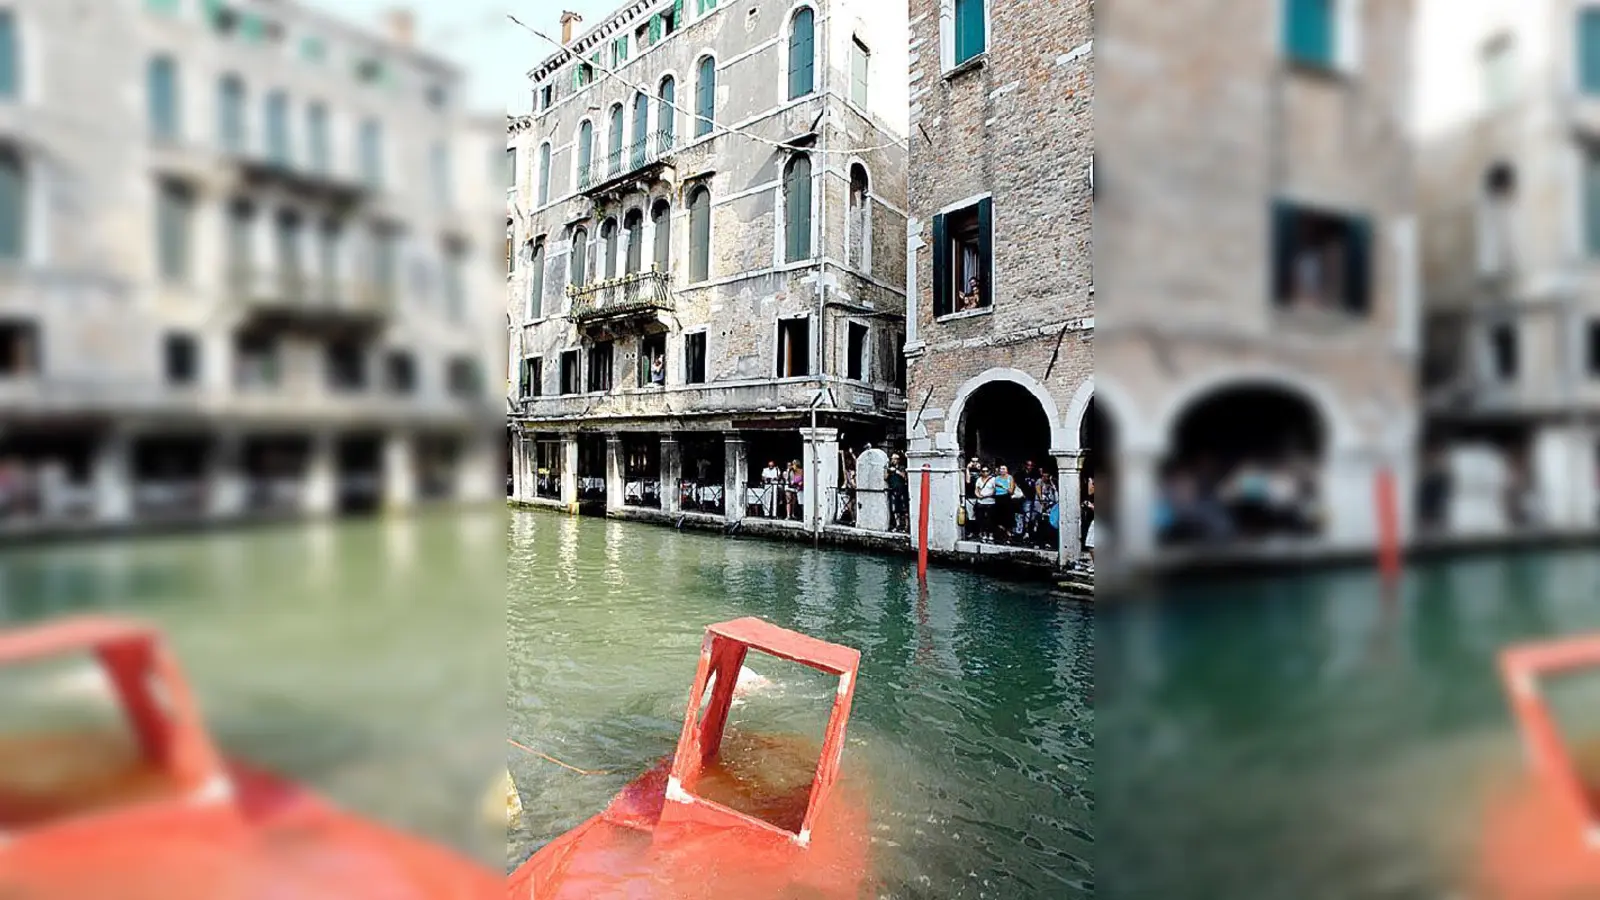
1341,432
958,407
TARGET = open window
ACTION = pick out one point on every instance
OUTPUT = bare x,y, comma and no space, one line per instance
963,250
1322,261
694,358
794,347
19,349
857,364
569,372
532,374
653,360
601,358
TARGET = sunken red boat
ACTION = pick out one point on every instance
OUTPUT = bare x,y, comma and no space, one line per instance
140,806
1543,835
699,825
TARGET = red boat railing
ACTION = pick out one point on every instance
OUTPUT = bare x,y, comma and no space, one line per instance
1523,668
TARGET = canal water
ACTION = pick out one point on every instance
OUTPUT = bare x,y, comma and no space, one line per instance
971,734
362,658
1312,737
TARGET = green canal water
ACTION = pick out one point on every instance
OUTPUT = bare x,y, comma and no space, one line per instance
971,735
1308,737
363,658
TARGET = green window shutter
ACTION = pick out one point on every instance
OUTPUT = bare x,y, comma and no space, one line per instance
705,97
797,209
1309,32
13,205
941,267
544,174
986,252
700,235
536,286
10,71
163,90
655,28
970,25
677,13
666,114
802,55
1358,270
1589,50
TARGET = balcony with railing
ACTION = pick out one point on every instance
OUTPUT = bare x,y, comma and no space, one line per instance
642,159
638,295
298,301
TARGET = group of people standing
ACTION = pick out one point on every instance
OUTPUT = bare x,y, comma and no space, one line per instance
1003,507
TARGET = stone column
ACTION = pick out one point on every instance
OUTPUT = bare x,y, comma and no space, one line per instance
1069,472
319,495
399,473
820,460
735,474
569,471
113,479
225,494
1564,476
1349,486
480,469
872,490
614,481
944,495
527,473
1133,495
671,474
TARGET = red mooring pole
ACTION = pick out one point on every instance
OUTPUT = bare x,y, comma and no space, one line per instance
1388,527
922,524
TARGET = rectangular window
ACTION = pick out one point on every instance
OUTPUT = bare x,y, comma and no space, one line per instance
970,29
547,95
532,369
1591,200
582,76
653,360
165,7
706,6
255,361
510,172
860,58
600,366
174,221
900,361
794,348
1503,351
320,152
963,252
313,49
462,378
569,372
694,358
13,205
455,280
10,52
1594,349
346,366
19,349
162,87
619,51
278,127
1588,36
1310,31
1322,261
181,354
372,152
440,156
1499,72
857,366
400,372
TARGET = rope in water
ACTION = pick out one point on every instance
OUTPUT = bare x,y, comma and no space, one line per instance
548,758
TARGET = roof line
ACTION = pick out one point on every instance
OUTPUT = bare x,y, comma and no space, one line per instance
607,27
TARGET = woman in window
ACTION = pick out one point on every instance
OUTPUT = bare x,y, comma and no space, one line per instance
658,370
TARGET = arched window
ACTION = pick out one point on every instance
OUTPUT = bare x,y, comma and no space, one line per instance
641,129
230,114
614,156
666,114
278,127
661,222
633,228
608,246
578,263
585,155
10,55
860,219
161,83
802,53
544,174
13,205
797,208
536,280
699,234
705,96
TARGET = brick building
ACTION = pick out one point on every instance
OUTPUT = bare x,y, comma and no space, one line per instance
705,256
246,307
1258,259
1001,294
1510,203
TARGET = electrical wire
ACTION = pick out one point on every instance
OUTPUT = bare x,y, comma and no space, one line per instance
609,73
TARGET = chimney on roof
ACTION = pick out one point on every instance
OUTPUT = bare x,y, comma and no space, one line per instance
568,19
402,26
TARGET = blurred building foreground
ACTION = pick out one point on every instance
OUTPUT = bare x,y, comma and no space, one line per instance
275,296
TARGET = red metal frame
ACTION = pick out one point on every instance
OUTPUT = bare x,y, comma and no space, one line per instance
1522,668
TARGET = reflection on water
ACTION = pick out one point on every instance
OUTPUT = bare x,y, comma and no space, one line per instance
1311,736
312,656
971,727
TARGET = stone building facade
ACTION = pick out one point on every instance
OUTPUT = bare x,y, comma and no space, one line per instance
1001,201
253,305
1511,228
1260,298
705,257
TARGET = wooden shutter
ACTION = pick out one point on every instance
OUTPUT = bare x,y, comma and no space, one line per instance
705,96
986,252
655,28
1282,250
1309,31
13,205
524,387
1589,50
969,29
536,287
802,55
699,235
9,69
1360,267
941,267
797,207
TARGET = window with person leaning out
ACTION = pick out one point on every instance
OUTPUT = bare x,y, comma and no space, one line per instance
1001,506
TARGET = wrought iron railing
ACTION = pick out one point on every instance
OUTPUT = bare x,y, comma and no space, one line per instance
288,288
649,148
639,292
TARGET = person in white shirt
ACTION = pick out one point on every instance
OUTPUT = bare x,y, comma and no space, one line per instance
770,477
